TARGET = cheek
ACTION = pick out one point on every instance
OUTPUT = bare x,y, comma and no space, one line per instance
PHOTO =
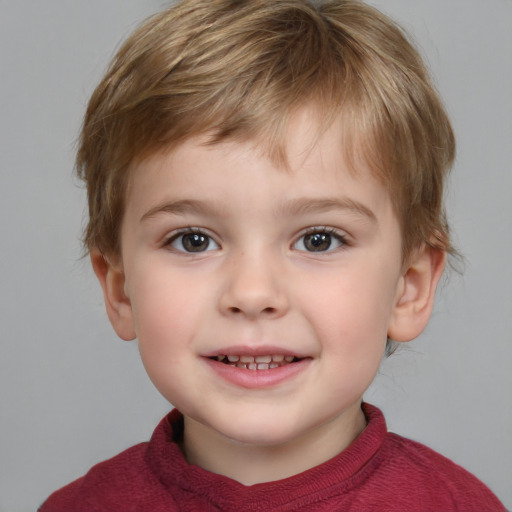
167,313
350,313
166,307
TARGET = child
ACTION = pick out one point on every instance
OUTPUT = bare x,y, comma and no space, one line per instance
265,184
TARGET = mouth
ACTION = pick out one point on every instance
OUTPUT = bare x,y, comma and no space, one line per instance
257,368
261,362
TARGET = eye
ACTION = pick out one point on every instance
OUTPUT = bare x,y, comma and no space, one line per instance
320,240
192,241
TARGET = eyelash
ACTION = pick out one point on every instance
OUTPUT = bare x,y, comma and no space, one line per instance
332,233
189,231
329,232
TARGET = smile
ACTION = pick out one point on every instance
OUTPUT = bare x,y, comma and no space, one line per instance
262,362
256,371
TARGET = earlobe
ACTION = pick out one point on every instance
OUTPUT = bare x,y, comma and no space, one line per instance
415,294
117,303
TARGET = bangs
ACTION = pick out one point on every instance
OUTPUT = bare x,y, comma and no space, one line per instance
240,70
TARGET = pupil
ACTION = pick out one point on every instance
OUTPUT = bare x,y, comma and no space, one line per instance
318,242
195,242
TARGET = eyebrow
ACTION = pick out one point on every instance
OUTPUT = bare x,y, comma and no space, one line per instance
180,207
309,205
294,207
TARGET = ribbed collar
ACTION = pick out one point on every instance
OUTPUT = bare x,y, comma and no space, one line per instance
335,476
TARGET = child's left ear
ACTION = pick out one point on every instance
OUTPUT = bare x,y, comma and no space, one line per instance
415,294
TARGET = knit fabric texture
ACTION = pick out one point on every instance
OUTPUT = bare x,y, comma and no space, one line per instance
379,471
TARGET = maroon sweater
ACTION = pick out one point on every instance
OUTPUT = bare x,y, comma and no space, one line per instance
379,471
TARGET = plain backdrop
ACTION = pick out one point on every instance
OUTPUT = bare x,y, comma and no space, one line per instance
72,394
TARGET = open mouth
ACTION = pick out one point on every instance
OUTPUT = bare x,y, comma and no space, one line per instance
266,362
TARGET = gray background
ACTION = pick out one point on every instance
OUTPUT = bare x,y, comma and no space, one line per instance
72,394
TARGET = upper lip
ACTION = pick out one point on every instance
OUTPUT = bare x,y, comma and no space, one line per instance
251,350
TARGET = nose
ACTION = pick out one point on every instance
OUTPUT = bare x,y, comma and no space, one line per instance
254,288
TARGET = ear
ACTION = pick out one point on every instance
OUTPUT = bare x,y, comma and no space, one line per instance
117,303
415,294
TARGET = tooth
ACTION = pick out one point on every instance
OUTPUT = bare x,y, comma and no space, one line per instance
263,359
263,366
252,366
246,359
233,359
240,365
278,358
273,365
288,359
220,358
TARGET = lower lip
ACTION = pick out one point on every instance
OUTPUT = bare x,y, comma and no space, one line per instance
257,379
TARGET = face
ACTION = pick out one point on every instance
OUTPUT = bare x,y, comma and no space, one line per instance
261,296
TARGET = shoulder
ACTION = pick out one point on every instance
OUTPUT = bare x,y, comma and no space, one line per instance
433,478
402,474
110,485
128,482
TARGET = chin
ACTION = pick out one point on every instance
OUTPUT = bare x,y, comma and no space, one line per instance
260,433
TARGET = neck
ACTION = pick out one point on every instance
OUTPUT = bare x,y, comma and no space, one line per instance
251,464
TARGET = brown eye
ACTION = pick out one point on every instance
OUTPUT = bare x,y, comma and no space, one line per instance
193,242
321,240
317,242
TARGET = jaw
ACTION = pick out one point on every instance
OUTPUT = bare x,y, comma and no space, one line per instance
274,453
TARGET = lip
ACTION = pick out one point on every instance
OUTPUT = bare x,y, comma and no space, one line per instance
256,379
260,350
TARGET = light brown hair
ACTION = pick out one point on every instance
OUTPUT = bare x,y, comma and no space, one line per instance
240,69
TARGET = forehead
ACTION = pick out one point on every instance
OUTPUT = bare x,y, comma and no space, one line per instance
242,173
307,136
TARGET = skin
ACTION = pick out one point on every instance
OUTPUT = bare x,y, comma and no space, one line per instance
261,283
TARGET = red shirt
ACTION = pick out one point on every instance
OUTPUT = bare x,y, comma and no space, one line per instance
379,471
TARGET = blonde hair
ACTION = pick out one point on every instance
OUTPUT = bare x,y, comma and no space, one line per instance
240,69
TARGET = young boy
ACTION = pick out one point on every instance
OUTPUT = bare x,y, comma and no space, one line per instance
265,183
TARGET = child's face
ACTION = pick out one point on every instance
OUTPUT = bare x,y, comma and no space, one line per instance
226,255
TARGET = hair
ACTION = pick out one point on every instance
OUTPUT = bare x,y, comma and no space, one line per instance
239,69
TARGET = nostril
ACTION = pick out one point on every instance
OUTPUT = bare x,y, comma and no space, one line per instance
266,311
